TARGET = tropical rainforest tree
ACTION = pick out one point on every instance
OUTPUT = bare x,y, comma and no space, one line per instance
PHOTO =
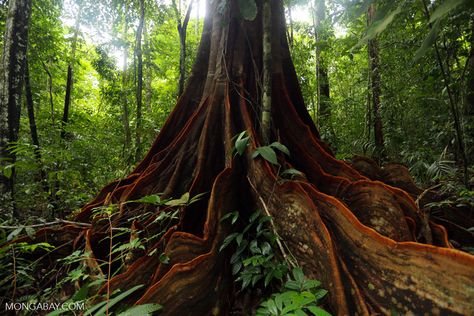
368,242
11,84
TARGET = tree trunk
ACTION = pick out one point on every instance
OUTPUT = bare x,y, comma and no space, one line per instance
267,72
373,48
469,101
70,73
358,236
125,111
50,90
148,69
139,91
322,80
182,27
11,85
33,130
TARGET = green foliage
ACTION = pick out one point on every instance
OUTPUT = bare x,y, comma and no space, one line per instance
254,259
255,262
268,152
299,296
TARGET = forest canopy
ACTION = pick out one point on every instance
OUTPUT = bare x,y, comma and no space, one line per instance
238,157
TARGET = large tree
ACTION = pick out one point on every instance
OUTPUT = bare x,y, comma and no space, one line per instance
365,240
11,84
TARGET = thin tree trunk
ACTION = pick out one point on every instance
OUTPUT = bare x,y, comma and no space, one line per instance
139,92
469,99
267,72
376,90
70,74
33,129
148,69
11,85
50,90
182,27
125,111
452,104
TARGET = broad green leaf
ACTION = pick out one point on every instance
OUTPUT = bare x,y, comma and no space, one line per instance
267,153
248,9
444,8
14,233
228,240
280,147
241,143
113,301
145,309
317,311
298,275
149,199
384,17
428,41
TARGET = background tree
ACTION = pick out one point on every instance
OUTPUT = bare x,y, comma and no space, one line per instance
11,84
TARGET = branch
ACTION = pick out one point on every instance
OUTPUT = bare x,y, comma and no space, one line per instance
55,222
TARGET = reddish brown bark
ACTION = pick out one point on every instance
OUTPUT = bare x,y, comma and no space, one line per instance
361,238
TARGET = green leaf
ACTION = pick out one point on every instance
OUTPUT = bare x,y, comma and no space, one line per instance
290,173
236,267
280,147
228,240
8,171
444,8
234,215
145,309
164,259
81,294
248,9
183,200
115,300
149,199
298,275
429,40
267,153
317,311
241,143
30,231
384,17
266,248
14,233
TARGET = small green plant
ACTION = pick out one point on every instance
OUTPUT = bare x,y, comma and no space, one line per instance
254,259
299,296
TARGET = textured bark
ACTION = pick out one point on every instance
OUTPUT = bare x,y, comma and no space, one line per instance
362,238
267,72
139,91
11,83
373,48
